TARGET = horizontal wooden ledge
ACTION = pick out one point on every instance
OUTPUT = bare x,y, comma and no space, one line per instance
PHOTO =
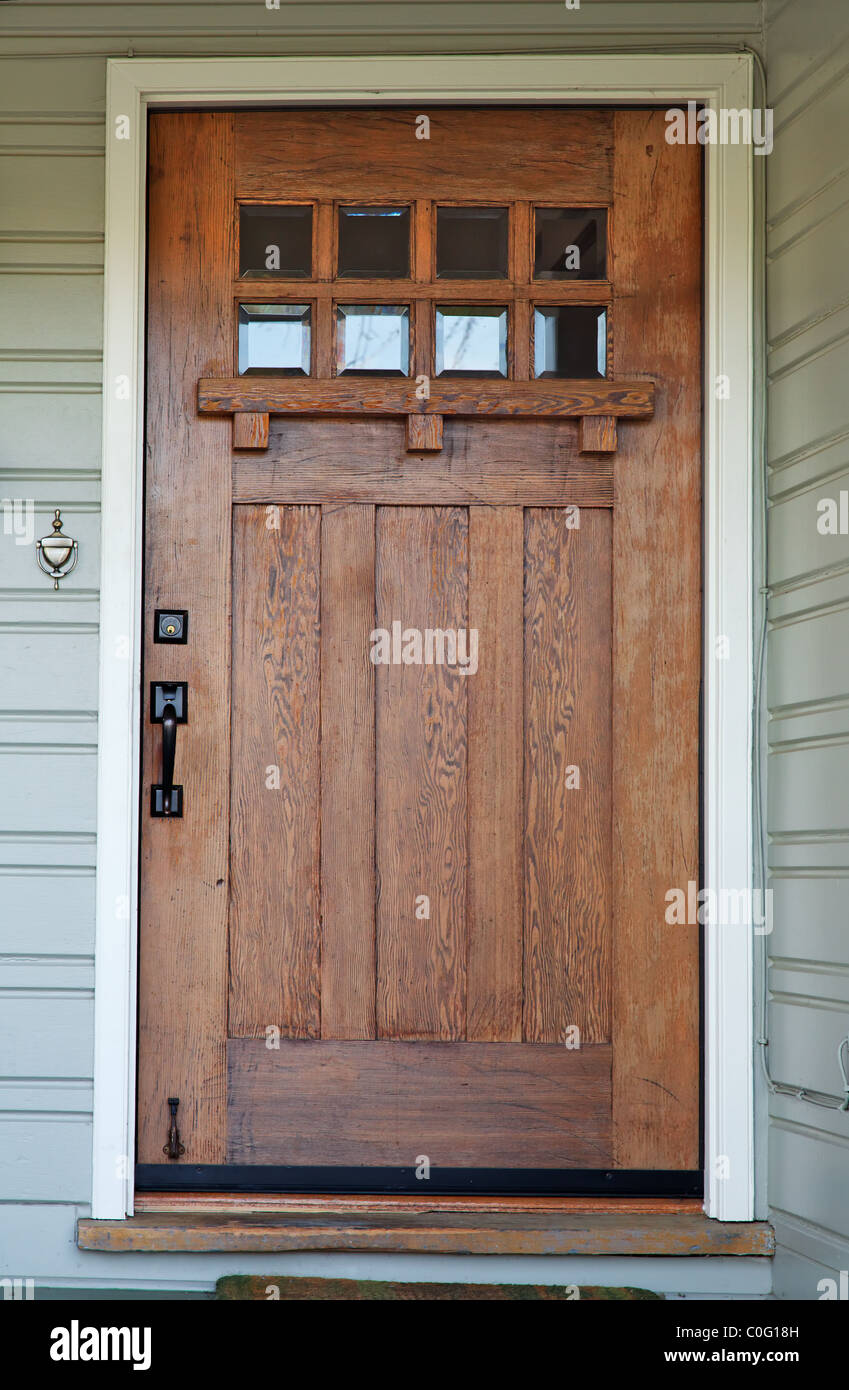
580,293
507,462
335,1204
457,1233
367,396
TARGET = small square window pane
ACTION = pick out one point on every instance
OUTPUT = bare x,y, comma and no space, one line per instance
275,242
471,340
570,340
372,339
570,244
274,339
471,243
374,243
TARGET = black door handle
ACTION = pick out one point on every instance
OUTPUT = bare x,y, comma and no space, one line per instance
169,749
168,707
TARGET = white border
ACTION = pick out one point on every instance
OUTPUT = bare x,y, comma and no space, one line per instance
134,85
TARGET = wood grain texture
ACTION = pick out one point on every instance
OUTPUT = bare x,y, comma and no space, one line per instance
422,571
496,757
184,864
445,1233
426,868
383,1103
324,239
520,344
421,339
397,396
373,154
567,944
250,430
424,241
597,434
424,432
499,463
349,1204
274,855
347,773
657,620
324,342
521,264
400,291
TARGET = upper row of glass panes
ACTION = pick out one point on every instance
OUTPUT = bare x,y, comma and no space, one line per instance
472,243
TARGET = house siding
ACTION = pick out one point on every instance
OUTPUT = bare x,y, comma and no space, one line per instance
52,135
807,43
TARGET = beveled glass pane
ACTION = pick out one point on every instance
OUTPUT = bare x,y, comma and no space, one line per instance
570,340
372,339
471,340
274,339
374,243
275,242
471,243
570,244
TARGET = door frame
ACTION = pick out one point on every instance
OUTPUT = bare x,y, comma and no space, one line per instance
720,81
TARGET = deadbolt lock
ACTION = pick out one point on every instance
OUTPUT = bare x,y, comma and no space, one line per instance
171,625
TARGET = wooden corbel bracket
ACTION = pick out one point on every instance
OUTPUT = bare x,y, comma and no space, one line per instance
596,404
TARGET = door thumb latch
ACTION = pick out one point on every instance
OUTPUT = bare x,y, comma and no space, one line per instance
173,1148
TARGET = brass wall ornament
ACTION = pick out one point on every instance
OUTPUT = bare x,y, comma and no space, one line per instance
56,550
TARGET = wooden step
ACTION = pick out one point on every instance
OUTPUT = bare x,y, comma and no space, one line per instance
430,1232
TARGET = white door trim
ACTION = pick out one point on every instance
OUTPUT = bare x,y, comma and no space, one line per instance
720,81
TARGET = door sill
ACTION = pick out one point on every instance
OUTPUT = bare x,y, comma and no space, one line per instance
177,1202
397,1225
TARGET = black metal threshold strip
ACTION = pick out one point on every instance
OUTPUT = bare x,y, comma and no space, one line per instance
496,1182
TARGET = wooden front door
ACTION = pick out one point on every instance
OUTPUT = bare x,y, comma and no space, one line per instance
422,615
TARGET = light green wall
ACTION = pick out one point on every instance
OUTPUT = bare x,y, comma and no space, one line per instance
808,652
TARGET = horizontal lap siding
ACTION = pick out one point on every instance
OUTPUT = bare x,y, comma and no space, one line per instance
51,291
808,669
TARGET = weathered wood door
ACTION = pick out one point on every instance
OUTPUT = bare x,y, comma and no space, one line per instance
439,765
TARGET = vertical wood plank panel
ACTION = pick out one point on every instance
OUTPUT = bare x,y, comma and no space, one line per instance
657,278
324,346
274,913
324,237
347,773
496,754
422,339
422,557
521,340
423,267
567,726
521,271
184,868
